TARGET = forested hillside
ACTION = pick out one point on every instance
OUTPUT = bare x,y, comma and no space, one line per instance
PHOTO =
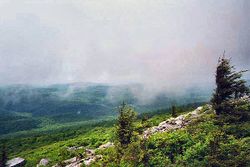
124,83
54,144
24,107
214,134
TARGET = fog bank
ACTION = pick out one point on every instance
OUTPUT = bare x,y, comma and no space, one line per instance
162,44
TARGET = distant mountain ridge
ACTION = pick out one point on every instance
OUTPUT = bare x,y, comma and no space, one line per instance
27,107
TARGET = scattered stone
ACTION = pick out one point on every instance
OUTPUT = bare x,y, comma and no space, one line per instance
75,164
90,152
107,145
89,160
16,162
43,162
72,148
165,126
78,161
71,160
81,147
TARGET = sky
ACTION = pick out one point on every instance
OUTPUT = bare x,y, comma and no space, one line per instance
168,44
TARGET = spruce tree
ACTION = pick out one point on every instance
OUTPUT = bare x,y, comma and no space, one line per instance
229,86
173,111
125,125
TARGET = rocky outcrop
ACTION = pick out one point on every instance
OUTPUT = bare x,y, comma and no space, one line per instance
178,122
165,126
16,162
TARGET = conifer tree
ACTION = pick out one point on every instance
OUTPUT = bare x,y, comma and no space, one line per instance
125,125
229,86
173,111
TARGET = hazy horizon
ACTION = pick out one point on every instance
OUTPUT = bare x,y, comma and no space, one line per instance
163,44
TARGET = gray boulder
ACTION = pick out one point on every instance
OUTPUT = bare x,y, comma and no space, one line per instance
43,162
16,162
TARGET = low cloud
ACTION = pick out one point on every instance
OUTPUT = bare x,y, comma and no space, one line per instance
164,45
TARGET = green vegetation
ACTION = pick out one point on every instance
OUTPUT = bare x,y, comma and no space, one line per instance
125,127
218,137
202,143
230,87
216,140
35,145
230,99
57,152
26,108
31,140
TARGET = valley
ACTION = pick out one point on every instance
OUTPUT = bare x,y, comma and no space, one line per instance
28,108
